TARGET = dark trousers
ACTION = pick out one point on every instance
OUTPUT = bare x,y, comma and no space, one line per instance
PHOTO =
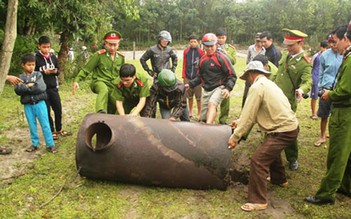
53,102
267,159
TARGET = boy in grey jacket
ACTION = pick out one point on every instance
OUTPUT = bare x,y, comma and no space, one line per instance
33,95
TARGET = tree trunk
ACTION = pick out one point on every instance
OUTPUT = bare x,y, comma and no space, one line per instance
62,55
9,41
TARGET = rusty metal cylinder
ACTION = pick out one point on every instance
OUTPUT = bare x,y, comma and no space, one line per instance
153,152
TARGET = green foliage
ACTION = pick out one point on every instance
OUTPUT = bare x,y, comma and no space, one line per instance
242,20
24,44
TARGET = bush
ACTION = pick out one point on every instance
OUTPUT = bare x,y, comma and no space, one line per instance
24,44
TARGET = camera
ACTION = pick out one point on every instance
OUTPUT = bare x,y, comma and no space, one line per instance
321,92
305,96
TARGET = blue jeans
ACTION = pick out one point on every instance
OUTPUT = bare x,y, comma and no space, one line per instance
34,112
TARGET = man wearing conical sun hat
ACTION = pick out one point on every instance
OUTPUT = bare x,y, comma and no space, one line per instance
267,106
294,78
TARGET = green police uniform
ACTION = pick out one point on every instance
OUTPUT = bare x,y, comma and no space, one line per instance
273,69
230,52
130,96
104,70
294,73
299,70
338,175
225,105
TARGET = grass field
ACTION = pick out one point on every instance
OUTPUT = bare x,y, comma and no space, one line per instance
22,196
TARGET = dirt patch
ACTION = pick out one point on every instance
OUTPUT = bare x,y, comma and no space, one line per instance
278,208
16,163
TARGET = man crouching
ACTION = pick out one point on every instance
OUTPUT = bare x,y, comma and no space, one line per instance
267,105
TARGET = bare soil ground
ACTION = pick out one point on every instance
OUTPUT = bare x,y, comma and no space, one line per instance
16,163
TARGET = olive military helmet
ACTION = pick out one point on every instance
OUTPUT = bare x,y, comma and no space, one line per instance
209,39
167,80
164,35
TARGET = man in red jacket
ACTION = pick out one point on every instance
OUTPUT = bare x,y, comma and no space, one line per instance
191,58
217,75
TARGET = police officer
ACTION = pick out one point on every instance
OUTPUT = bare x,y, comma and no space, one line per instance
104,66
230,51
338,176
160,55
294,78
132,91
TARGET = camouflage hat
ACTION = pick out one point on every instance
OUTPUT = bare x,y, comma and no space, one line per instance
167,80
293,36
113,37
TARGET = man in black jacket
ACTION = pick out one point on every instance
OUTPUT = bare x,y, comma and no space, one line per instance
160,55
273,53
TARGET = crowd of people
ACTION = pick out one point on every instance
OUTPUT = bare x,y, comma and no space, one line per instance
275,83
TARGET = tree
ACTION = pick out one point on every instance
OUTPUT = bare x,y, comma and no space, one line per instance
9,41
71,20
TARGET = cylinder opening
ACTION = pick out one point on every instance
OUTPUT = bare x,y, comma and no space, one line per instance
98,136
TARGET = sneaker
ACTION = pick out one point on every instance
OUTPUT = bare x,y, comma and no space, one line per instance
52,149
294,165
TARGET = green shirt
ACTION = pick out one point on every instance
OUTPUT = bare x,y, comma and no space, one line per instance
273,69
341,94
230,52
102,67
132,94
292,74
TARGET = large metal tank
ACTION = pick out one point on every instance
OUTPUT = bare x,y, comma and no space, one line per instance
153,151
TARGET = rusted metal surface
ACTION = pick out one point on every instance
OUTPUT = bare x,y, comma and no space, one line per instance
153,152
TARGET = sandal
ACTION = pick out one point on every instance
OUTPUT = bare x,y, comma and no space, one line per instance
32,148
284,184
64,133
55,136
318,143
314,117
52,149
5,151
253,207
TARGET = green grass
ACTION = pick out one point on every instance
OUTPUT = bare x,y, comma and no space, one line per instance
85,198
